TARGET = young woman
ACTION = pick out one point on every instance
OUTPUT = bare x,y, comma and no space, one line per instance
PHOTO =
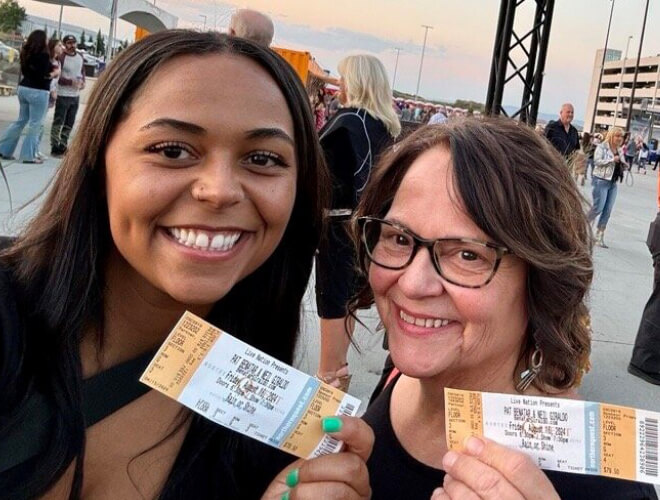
196,186
479,266
352,141
608,172
33,91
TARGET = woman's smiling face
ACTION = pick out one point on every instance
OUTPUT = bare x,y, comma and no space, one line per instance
201,177
435,327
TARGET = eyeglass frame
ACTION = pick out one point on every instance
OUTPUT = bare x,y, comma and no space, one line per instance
418,241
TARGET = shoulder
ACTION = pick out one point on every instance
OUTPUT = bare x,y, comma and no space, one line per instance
587,487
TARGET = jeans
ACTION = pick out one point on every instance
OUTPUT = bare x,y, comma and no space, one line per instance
604,195
32,111
65,116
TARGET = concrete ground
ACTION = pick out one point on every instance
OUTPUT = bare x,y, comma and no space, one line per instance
622,284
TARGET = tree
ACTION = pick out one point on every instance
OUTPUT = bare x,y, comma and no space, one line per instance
100,43
81,44
53,35
11,16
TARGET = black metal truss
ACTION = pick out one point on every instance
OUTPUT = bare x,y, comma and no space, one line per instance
534,46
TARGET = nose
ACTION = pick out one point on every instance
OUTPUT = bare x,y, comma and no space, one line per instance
420,279
219,183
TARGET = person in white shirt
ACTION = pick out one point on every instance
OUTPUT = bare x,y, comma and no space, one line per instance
69,85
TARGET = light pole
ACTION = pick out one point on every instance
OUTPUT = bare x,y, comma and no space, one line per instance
396,65
639,55
204,16
421,61
623,70
111,34
59,23
602,69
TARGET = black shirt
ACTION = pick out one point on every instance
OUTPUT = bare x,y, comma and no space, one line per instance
36,72
352,141
564,142
396,475
213,462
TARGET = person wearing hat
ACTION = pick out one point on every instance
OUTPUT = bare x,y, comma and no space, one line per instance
71,82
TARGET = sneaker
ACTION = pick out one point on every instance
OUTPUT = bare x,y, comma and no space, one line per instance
41,155
9,158
37,161
57,153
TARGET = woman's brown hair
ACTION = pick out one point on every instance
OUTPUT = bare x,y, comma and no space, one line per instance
516,188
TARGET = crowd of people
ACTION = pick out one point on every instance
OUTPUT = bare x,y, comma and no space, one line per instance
52,76
219,199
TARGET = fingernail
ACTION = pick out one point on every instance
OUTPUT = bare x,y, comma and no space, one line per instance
437,493
331,424
285,495
449,459
292,478
474,445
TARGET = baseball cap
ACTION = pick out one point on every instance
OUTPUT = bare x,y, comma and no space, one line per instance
69,38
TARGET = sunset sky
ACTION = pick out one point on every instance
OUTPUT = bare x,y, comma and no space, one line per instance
459,47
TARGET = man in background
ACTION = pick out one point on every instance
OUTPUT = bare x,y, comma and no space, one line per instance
69,85
253,25
561,134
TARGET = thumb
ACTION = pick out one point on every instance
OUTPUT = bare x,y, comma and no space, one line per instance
356,434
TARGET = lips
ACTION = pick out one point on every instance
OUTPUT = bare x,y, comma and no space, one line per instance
425,322
209,241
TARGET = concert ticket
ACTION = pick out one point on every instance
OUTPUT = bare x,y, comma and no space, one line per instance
245,389
560,434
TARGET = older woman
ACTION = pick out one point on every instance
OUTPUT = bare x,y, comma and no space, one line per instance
478,265
352,141
608,170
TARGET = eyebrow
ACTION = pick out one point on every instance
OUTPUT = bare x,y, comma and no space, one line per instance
176,124
269,133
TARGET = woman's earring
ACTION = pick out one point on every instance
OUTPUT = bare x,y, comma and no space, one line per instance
528,376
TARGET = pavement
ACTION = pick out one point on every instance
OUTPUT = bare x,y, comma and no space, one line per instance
621,287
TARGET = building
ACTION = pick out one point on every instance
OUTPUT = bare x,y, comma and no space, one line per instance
615,92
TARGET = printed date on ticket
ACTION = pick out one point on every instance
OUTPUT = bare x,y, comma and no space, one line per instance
560,434
245,389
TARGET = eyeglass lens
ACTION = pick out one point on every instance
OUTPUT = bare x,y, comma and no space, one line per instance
461,262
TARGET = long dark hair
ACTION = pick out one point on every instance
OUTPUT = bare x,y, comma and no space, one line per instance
58,261
516,189
36,43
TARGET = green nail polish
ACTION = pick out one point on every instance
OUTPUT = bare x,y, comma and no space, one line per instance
292,478
285,495
331,424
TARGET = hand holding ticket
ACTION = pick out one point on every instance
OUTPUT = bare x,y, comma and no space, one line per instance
560,434
246,390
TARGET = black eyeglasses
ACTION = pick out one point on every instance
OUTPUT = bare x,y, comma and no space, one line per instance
462,261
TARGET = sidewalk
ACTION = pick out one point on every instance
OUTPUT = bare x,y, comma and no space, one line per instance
622,285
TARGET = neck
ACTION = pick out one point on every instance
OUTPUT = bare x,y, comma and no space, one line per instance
137,318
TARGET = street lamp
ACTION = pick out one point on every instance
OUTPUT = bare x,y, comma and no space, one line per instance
421,61
602,70
111,34
639,55
396,65
623,70
204,16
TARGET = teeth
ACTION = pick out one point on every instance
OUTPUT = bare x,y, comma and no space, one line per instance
217,242
202,240
427,323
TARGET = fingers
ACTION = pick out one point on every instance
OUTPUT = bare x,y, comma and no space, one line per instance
326,491
495,471
456,489
356,434
346,468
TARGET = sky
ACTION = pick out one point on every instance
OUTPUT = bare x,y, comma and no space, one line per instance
459,47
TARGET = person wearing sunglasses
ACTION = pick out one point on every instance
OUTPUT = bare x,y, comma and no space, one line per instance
479,265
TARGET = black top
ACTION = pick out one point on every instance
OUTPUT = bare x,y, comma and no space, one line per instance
564,142
36,72
395,474
217,462
352,141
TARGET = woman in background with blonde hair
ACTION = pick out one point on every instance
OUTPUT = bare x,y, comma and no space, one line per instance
352,141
